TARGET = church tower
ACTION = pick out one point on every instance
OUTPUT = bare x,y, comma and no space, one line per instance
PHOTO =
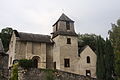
65,50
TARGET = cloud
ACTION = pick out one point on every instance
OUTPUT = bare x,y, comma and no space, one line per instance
38,16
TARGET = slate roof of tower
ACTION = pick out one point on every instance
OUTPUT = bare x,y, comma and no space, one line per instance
33,37
1,47
63,17
64,33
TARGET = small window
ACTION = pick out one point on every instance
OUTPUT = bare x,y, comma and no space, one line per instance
66,62
32,48
68,25
88,73
88,59
56,26
68,40
10,60
54,65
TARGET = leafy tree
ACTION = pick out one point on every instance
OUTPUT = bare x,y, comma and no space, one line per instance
114,35
5,36
109,60
100,65
87,39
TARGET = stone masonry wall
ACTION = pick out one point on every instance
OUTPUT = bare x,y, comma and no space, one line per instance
40,74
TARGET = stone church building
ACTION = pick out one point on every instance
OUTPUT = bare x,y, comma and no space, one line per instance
59,51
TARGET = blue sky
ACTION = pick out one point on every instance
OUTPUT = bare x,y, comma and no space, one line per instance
38,16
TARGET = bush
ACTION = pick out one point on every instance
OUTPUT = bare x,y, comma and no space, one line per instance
14,72
24,63
49,74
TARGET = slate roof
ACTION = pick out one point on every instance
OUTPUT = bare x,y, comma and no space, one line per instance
63,17
64,33
80,49
33,37
1,47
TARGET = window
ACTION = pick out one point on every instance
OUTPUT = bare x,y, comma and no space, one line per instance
88,73
56,26
88,59
32,48
10,60
66,62
54,65
68,40
68,25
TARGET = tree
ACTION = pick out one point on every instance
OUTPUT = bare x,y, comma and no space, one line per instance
87,39
5,36
109,60
100,65
114,35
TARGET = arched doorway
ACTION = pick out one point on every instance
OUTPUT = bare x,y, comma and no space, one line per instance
36,60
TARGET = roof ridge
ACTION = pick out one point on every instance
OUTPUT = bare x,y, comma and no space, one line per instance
34,33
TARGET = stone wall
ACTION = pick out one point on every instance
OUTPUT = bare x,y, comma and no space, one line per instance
4,66
4,74
40,74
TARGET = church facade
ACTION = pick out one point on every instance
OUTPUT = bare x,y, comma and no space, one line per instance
59,51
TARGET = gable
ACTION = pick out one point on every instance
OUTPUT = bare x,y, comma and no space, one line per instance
86,51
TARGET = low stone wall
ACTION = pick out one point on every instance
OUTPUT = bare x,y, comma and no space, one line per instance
4,74
41,74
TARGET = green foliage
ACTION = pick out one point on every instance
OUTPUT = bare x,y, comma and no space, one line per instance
100,69
87,39
117,64
5,36
24,63
114,35
14,72
109,60
49,74
105,59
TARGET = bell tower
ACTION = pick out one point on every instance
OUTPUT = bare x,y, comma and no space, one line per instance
64,26
65,50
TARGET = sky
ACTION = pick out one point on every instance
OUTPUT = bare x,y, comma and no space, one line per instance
38,16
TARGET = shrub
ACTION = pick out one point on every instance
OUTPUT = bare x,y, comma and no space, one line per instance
14,75
49,74
24,63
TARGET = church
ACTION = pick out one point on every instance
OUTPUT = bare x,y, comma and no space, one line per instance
58,51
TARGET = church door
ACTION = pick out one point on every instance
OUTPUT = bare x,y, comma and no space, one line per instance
36,61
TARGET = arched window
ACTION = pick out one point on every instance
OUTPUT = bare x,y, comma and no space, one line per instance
88,59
